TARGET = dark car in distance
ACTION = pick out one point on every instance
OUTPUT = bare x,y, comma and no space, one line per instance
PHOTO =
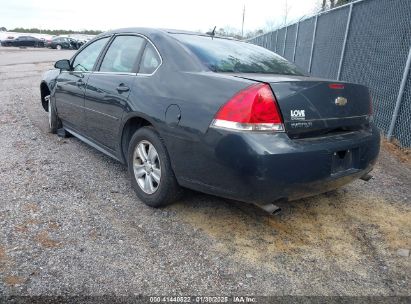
75,44
216,115
64,43
23,41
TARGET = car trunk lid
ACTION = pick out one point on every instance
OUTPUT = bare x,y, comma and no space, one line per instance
313,107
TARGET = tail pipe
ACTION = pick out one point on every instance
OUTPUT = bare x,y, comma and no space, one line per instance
270,208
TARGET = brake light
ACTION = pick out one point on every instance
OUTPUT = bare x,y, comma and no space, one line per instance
252,109
336,86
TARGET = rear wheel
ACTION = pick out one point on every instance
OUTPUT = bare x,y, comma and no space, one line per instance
53,119
149,165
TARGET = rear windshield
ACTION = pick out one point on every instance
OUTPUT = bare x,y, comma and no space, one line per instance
224,55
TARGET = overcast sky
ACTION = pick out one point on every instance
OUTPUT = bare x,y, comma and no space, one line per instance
177,14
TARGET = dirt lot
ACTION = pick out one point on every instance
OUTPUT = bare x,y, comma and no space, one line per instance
71,224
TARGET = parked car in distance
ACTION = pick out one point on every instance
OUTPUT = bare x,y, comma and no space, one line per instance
216,115
23,41
59,43
75,43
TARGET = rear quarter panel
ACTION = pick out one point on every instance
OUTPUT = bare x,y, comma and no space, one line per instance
199,95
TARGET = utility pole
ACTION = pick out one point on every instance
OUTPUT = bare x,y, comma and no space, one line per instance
242,26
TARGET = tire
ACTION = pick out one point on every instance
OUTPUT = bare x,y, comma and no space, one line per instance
54,121
58,47
166,190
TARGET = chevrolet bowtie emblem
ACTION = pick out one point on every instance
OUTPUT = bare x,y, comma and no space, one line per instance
341,101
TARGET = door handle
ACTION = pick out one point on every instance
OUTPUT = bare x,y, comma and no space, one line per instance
122,88
78,74
80,83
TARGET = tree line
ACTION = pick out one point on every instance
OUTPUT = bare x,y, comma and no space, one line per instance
51,32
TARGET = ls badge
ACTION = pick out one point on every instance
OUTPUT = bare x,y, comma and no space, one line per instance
341,101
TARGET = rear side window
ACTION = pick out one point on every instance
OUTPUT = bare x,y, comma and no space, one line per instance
86,59
225,55
150,60
122,54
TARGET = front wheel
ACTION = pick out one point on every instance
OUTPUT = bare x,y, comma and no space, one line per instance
54,121
58,47
149,165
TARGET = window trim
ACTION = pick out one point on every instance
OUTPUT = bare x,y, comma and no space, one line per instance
84,47
138,62
142,54
104,53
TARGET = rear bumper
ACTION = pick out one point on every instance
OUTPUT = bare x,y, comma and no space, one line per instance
263,168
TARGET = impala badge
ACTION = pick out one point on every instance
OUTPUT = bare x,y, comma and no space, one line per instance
341,101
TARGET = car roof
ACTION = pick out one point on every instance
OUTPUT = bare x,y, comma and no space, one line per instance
172,31
151,31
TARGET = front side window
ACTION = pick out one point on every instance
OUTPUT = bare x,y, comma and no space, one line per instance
122,55
86,59
150,60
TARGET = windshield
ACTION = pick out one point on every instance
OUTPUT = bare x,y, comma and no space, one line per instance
224,55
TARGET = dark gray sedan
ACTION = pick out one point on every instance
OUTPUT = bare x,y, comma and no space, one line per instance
216,115
23,41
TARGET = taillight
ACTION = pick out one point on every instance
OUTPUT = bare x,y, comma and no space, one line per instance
252,109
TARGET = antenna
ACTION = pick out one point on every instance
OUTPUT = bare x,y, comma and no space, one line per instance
242,25
212,33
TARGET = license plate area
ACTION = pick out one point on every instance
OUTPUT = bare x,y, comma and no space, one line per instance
344,160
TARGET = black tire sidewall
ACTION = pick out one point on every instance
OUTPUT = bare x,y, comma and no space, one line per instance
55,121
168,190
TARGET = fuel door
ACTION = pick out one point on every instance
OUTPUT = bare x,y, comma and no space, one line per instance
173,115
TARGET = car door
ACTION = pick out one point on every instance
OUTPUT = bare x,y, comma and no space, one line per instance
70,85
108,89
19,41
25,41
65,43
56,41
30,41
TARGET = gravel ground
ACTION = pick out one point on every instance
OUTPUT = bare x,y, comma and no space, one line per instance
70,223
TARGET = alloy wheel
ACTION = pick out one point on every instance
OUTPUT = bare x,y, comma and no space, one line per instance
147,167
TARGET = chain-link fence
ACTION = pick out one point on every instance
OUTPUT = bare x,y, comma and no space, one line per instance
366,42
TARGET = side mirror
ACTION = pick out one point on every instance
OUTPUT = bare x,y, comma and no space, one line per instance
63,64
